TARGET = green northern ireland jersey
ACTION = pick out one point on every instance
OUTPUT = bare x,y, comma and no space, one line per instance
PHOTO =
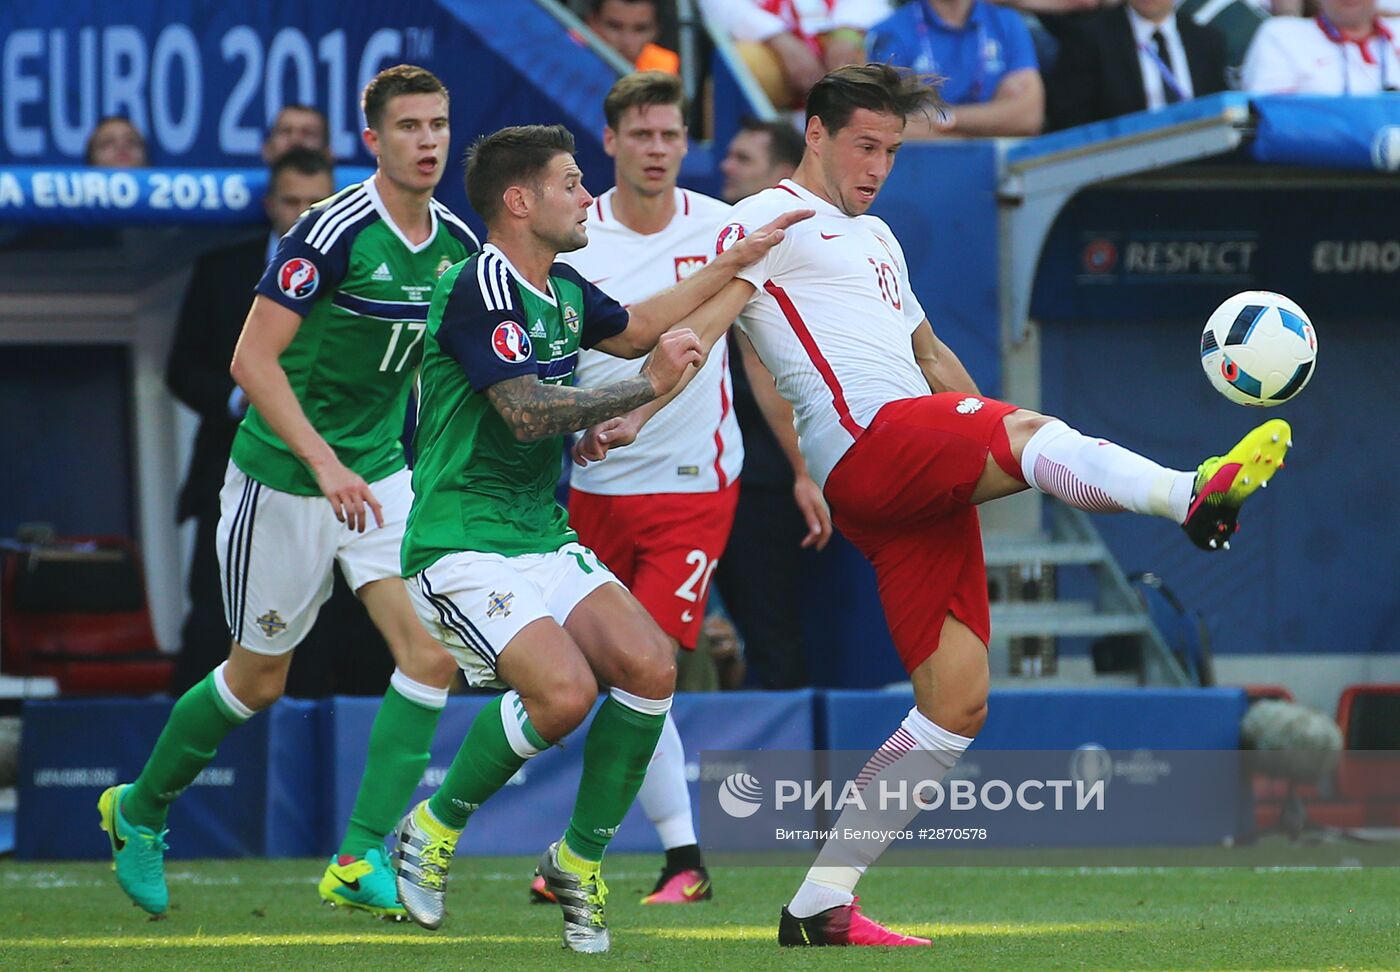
362,291
476,487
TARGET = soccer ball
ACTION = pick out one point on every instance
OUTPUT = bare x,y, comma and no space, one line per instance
1258,348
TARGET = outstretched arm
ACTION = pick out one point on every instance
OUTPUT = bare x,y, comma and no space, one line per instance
535,411
652,317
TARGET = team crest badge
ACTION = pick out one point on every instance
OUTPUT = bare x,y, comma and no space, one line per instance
571,318
499,604
970,405
511,343
687,265
298,278
272,624
444,265
728,236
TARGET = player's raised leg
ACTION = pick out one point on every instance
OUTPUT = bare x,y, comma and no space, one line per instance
1102,477
627,651
359,875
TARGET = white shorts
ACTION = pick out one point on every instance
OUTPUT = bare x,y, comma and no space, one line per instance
277,552
475,603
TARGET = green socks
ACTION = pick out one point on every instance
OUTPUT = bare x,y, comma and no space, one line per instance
615,758
398,755
498,743
198,723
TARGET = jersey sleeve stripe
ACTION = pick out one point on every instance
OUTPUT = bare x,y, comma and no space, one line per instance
488,278
346,222
502,279
354,202
809,344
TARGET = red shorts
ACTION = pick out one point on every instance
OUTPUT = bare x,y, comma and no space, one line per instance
663,546
902,496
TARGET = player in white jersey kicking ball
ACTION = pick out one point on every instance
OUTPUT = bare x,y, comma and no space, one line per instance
905,448
659,513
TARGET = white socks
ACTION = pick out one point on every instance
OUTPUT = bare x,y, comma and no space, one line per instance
918,750
665,795
1101,477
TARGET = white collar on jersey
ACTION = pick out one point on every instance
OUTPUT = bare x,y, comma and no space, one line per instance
822,207
519,277
372,190
602,209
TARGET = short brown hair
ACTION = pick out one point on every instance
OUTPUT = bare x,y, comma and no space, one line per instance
401,79
876,87
511,157
641,89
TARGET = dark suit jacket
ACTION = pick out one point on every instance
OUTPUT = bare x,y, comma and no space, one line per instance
1097,75
211,318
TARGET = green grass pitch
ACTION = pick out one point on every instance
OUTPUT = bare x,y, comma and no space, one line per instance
256,914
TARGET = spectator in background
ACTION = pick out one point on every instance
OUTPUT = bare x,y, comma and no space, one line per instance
760,577
789,44
762,154
630,27
197,374
1346,50
984,53
1141,56
116,144
297,126
1237,20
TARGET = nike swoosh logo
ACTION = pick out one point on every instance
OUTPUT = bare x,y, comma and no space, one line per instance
352,885
690,889
831,236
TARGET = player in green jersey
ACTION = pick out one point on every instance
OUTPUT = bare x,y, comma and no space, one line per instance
491,562
327,357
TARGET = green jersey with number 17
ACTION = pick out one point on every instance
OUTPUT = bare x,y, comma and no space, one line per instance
362,291
477,487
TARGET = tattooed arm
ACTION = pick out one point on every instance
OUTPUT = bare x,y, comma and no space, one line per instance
535,411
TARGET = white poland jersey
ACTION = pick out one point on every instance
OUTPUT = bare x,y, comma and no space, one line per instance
692,445
831,318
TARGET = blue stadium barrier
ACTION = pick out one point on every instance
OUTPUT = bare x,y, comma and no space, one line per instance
534,809
1029,719
260,797
283,786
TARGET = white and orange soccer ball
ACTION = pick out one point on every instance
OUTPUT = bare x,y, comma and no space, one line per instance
1259,348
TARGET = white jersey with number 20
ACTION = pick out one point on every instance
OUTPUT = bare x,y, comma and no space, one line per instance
692,445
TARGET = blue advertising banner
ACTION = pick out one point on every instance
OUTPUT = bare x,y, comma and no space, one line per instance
130,197
533,809
1329,132
203,79
259,797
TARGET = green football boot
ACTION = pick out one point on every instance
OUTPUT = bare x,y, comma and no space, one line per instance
138,854
365,883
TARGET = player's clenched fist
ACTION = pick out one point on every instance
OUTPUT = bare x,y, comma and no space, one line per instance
674,353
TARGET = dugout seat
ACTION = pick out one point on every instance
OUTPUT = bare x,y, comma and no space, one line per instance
1369,716
74,609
